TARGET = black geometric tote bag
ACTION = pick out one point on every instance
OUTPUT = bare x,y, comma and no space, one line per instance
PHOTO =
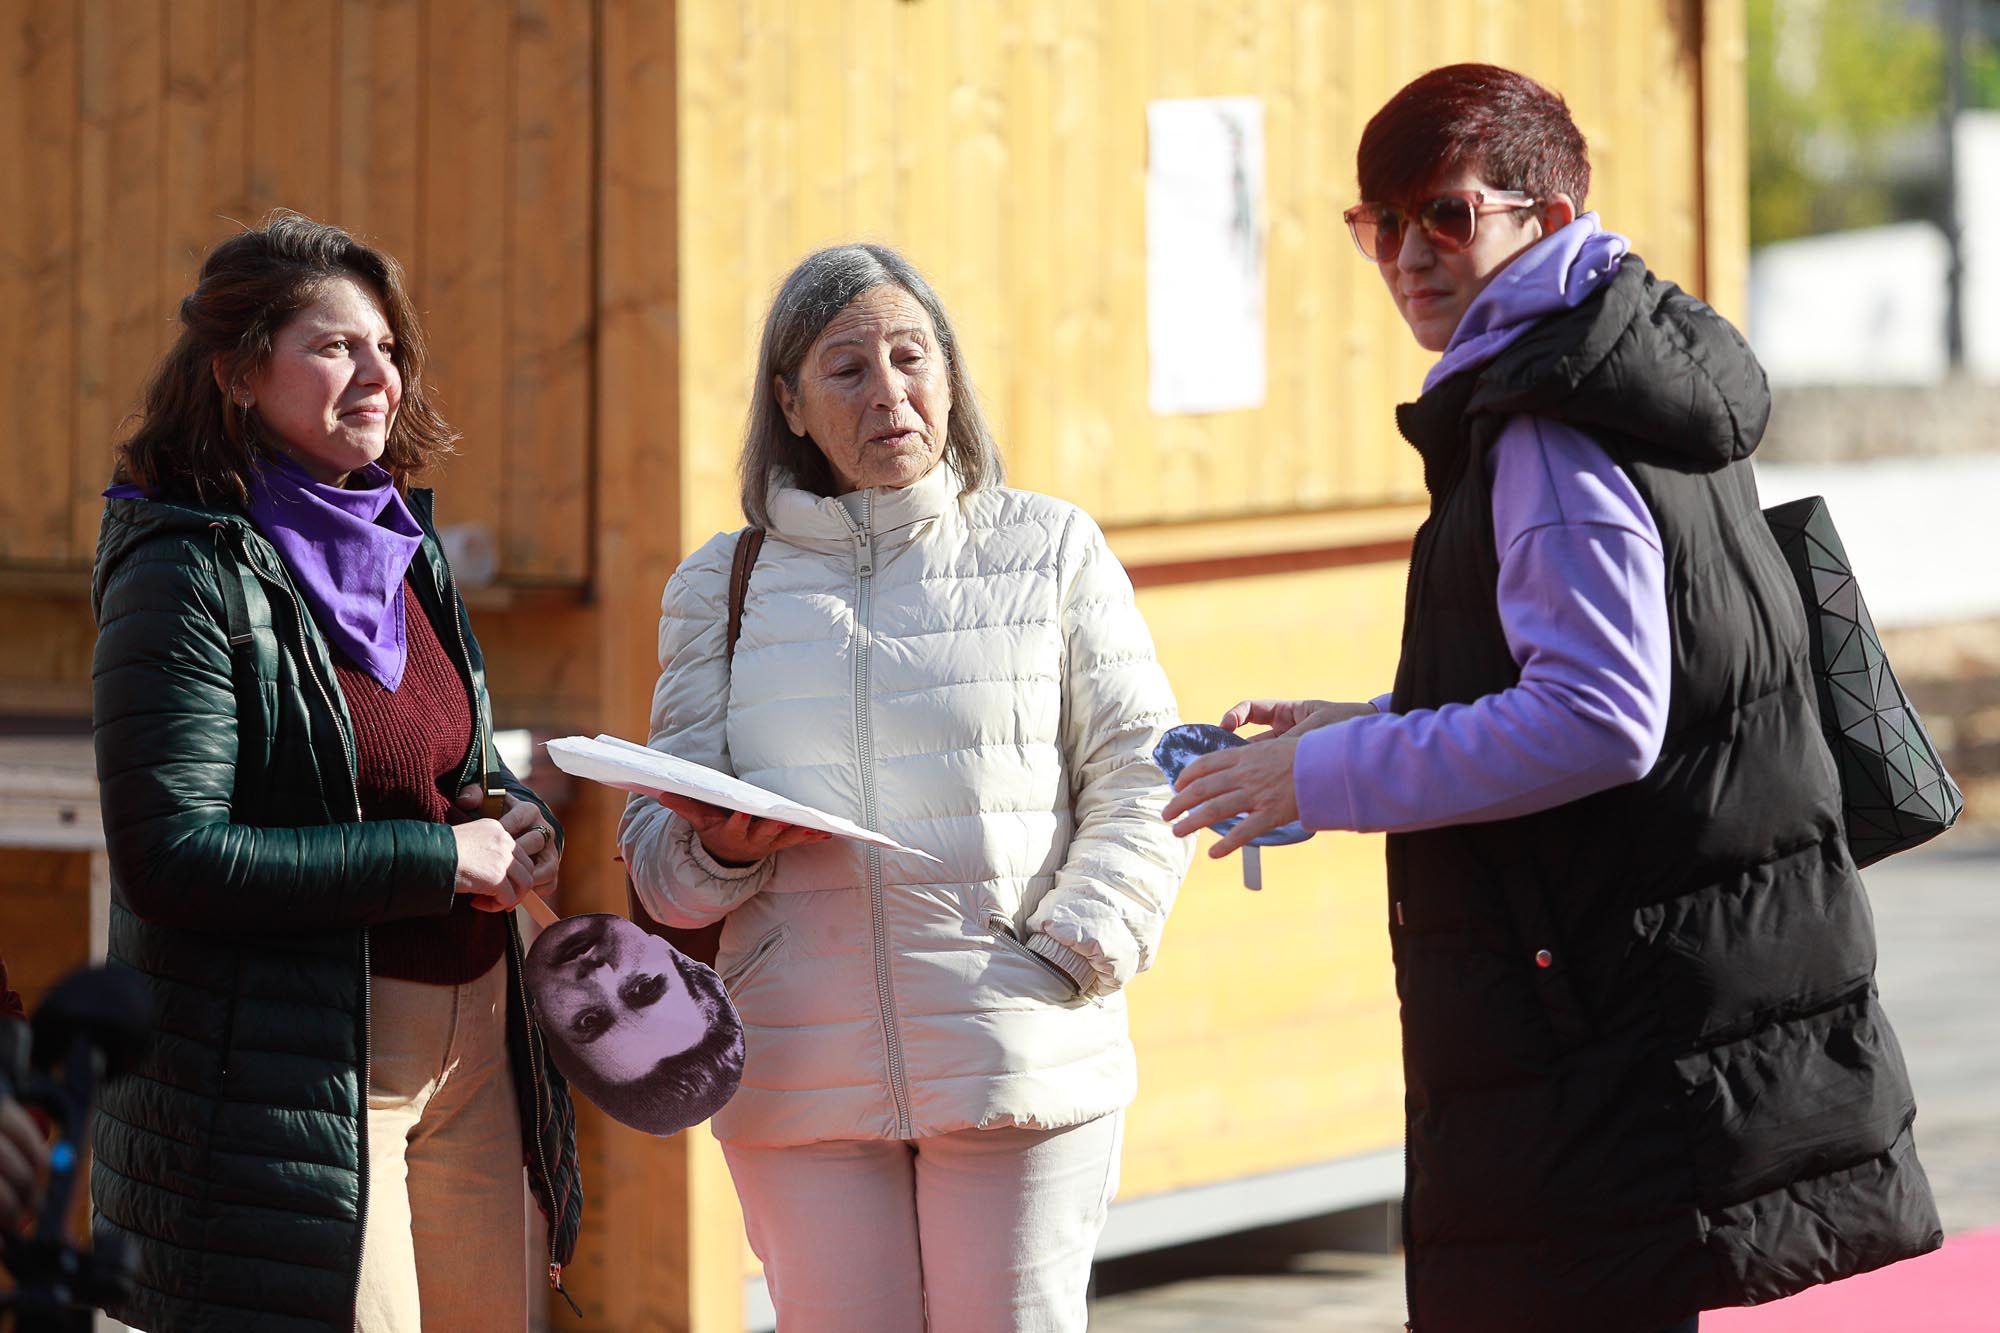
1893,788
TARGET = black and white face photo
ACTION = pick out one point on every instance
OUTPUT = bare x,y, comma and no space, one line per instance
642,1031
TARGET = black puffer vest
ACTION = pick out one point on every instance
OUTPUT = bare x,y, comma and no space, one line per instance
1647,1073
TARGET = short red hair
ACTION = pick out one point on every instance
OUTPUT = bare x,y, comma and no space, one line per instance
1502,126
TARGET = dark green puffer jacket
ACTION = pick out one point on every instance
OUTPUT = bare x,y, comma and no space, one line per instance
233,1160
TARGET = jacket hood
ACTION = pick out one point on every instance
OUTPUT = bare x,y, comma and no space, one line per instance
129,523
1641,359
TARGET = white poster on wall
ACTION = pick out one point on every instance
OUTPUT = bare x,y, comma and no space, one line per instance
1205,231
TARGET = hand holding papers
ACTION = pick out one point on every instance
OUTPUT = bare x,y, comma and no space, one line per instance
638,768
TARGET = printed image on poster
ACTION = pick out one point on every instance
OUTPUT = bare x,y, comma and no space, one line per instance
1205,229
641,1030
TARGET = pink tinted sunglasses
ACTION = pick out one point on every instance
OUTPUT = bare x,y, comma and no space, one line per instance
1449,221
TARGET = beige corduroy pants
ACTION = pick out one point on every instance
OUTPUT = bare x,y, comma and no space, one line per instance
446,1230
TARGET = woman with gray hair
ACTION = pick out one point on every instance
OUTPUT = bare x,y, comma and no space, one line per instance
927,1131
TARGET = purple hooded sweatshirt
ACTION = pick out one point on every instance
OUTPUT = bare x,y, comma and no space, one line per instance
1583,602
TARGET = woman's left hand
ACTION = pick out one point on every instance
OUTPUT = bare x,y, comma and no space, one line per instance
1254,781
537,858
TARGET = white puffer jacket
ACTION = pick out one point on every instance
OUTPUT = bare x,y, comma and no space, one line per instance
968,674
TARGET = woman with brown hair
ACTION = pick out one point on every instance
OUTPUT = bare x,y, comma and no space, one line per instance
292,736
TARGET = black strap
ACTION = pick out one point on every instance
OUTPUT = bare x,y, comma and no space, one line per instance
250,721
235,609
702,943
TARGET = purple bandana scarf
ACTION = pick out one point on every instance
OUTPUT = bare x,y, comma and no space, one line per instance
348,549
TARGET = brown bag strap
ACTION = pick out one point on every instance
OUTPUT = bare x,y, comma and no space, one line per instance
747,547
703,942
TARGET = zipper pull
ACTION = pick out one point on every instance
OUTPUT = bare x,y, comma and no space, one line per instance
864,552
555,1280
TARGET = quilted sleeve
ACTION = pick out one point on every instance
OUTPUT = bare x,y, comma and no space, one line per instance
679,883
1103,918
164,721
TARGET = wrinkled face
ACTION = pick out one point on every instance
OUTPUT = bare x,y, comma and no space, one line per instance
613,996
330,392
874,393
1433,287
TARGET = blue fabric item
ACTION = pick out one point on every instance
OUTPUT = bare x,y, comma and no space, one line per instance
1181,745
348,548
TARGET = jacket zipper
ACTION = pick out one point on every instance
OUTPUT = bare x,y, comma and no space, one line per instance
1403,1212
1419,561
535,1132
864,557
1012,943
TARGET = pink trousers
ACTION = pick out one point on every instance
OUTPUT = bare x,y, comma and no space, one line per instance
982,1231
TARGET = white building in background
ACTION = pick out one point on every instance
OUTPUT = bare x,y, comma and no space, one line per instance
1852,307
1978,136
1868,306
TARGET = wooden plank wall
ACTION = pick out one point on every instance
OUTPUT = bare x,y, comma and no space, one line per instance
1003,147
593,306
456,134
44,931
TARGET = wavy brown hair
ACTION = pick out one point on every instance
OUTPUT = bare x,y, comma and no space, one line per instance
193,442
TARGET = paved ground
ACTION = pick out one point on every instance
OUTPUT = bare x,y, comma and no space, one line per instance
1938,919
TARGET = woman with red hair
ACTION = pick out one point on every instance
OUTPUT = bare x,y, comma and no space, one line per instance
1647,1073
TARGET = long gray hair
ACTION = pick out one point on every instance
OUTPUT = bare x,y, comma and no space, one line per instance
817,290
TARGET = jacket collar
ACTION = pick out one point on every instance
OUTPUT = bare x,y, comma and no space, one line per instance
895,516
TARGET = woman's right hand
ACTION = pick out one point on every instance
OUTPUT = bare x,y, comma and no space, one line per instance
734,838
487,871
1286,717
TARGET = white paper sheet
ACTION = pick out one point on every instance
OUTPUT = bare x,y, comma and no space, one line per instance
639,768
1205,232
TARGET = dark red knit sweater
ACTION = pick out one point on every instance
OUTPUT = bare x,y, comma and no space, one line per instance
412,742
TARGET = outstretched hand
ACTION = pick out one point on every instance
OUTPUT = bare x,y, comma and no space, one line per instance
734,838
1290,717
